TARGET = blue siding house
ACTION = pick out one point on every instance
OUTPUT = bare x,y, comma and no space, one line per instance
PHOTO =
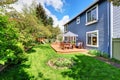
96,26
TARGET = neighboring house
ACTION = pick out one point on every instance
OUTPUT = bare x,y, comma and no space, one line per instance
98,27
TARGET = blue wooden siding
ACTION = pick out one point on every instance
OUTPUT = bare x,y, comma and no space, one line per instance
101,25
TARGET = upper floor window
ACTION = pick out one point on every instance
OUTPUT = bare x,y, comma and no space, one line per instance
92,15
78,20
66,28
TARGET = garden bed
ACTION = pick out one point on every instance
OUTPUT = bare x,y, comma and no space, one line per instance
60,63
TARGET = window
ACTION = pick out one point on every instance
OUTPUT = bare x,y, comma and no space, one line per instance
78,20
92,38
92,15
65,28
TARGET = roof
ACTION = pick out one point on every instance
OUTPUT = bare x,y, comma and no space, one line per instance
96,1
70,34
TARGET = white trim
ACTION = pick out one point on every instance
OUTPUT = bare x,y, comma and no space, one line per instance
91,22
66,28
97,38
111,25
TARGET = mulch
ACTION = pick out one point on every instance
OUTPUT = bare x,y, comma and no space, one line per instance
108,61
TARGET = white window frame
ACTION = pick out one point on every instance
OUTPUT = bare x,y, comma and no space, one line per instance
66,28
91,40
92,22
78,20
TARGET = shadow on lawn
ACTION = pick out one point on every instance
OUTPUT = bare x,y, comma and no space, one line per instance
32,50
15,72
88,68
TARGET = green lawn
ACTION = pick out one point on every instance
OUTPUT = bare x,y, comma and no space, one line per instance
36,68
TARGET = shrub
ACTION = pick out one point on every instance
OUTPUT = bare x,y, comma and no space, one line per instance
10,48
63,62
98,53
103,54
95,52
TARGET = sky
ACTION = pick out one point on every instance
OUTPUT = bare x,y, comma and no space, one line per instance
60,10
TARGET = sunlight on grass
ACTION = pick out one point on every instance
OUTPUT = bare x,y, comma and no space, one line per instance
36,68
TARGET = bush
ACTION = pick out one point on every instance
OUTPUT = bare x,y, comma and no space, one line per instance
95,52
62,62
105,55
10,47
98,53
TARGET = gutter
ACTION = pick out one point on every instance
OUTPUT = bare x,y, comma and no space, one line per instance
96,1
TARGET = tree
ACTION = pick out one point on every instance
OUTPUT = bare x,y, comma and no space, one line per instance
9,45
54,30
40,14
28,28
3,2
50,21
116,2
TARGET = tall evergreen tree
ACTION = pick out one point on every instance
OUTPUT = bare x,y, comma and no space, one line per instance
50,21
40,13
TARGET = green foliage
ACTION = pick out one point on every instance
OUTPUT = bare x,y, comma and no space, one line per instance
36,68
115,2
98,53
62,62
3,2
88,68
28,28
30,25
94,52
9,48
55,31
50,21
103,54
41,15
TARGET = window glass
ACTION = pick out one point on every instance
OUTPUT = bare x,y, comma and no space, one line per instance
92,15
78,20
92,38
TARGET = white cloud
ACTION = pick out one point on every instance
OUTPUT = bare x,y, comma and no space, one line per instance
21,3
63,21
56,4
57,22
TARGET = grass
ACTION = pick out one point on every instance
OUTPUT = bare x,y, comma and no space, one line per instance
36,68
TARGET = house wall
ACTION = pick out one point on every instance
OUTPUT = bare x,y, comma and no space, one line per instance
116,32
116,22
101,25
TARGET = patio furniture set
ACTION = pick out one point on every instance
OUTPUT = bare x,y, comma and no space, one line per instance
68,45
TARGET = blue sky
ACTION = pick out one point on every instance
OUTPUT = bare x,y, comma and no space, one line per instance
60,10
70,8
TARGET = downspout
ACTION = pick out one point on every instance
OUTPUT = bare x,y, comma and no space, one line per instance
110,25
108,21
111,29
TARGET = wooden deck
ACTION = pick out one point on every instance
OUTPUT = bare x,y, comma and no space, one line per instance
56,47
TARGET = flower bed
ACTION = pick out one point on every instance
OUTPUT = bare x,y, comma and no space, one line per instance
60,63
